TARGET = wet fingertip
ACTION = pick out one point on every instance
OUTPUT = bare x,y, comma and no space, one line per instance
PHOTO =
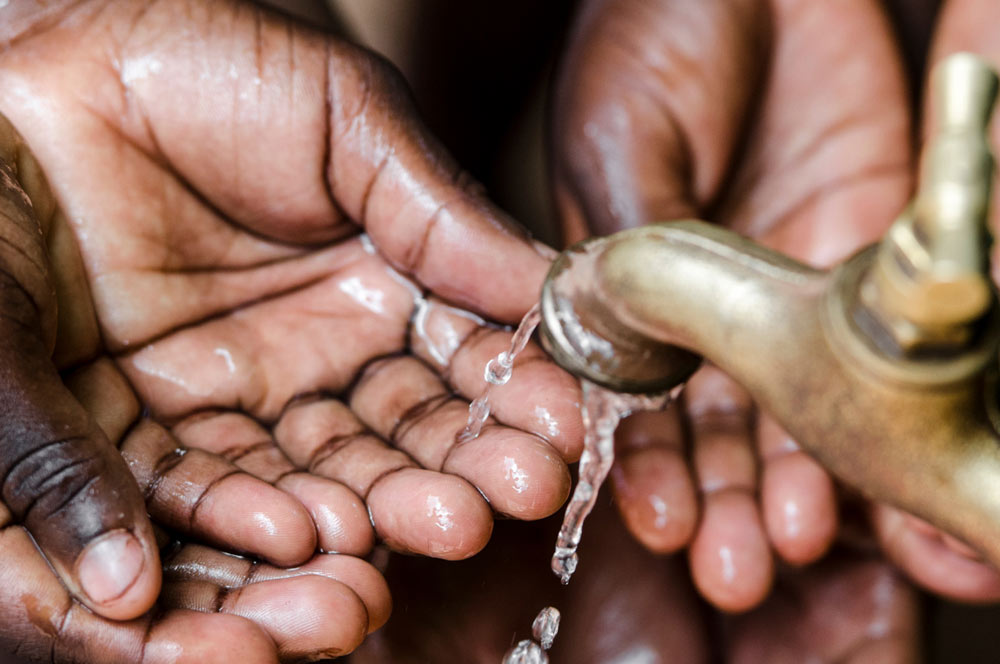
543,400
192,637
252,516
373,590
560,423
928,561
341,517
361,577
656,498
731,562
521,476
800,508
429,513
309,617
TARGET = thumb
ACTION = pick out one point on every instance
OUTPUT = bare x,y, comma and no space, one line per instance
59,475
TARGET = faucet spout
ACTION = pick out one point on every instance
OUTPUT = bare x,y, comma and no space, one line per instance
884,368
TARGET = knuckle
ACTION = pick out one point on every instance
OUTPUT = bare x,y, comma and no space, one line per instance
19,312
367,82
51,475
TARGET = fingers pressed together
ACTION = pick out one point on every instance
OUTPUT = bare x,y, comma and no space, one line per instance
233,356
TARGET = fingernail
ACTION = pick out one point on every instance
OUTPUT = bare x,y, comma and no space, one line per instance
109,566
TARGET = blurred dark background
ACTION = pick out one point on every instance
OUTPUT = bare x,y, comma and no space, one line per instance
480,74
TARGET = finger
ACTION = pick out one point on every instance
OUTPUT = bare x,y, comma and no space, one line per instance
413,510
921,552
730,558
405,402
652,482
829,163
43,623
645,127
106,395
60,475
797,497
339,514
307,616
459,345
77,337
323,436
199,563
327,130
154,457
186,636
207,497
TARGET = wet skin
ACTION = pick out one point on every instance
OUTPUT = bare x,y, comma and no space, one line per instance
788,121
626,604
192,326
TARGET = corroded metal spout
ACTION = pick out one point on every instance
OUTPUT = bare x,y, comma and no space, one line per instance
884,368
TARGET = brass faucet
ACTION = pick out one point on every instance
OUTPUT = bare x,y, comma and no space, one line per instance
884,368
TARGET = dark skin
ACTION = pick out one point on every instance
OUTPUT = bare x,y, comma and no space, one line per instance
790,122
243,434
626,602
194,328
850,607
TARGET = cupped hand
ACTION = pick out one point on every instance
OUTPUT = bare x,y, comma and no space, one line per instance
786,120
187,282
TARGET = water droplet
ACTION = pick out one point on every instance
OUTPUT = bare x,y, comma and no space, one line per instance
546,626
499,369
497,372
602,411
526,652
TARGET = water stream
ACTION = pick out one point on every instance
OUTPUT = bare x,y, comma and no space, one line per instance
544,629
498,371
602,411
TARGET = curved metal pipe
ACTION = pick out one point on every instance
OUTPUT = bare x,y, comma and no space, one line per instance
884,369
917,433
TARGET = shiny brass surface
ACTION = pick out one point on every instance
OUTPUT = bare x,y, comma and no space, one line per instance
885,368
590,341
930,279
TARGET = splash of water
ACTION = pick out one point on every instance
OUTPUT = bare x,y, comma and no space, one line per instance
544,629
498,372
602,411
526,652
546,626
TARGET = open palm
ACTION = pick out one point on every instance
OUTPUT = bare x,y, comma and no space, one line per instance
276,382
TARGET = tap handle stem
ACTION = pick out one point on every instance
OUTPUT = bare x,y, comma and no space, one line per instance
934,263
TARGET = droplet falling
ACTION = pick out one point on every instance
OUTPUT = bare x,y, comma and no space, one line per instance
546,626
498,372
602,411
526,652
544,629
